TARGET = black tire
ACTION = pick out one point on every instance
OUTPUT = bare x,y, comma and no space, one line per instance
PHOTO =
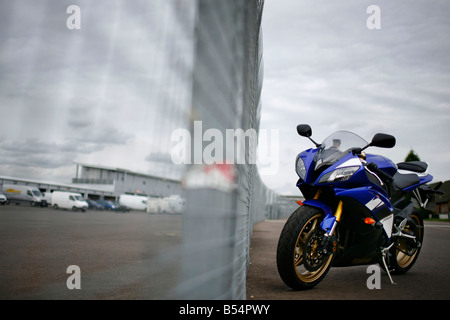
299,233
400,262
55,206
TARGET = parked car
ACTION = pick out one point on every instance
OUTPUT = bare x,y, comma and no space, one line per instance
107,205
121,207
94,205
3,199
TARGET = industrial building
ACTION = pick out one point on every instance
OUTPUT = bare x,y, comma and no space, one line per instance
122,181
99,182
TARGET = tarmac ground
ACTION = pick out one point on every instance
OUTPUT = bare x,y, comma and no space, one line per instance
429,278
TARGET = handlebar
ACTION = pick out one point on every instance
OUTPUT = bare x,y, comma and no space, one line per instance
383,175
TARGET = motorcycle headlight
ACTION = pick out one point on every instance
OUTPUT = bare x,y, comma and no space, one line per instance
339,175
300,168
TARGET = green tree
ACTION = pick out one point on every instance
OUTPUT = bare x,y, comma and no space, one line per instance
412,156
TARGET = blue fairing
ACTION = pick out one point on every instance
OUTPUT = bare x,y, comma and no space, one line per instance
352,191
329,219
383,163
337,167
422,180
372,197
308,158
347,159
319,204
364,195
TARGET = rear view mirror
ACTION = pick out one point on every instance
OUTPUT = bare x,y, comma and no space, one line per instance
383,140
304,130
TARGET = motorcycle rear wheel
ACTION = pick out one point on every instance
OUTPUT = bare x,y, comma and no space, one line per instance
407,255
300,265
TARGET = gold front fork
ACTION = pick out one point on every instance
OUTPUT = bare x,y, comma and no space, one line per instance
338,212
338,215
317,195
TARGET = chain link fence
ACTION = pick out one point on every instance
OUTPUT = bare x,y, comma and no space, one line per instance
226,95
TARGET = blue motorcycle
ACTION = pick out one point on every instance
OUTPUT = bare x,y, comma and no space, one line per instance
359,209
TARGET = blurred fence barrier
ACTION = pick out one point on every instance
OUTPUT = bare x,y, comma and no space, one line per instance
230,196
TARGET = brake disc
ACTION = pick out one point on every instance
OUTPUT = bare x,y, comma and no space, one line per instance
314,257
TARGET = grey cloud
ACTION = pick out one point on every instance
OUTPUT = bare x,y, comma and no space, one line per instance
104,136
37,146
159,157
80,123
36,153
47,154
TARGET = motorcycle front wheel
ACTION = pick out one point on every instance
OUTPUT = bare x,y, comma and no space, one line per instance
300,264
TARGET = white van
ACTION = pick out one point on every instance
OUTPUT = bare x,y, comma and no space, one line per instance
17,194
134,202
174,204
68,200
47,197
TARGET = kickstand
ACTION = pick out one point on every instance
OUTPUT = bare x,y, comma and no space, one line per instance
383,258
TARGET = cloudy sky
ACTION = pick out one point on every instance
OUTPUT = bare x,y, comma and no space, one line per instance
104,94
324,66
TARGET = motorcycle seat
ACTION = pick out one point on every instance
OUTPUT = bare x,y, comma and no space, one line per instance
405,180
416,166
